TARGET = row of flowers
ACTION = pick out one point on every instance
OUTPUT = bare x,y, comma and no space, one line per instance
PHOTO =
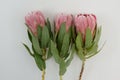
71,34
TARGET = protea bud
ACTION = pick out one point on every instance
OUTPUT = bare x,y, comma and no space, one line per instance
61,47
63,18
34,19
88,35
39,33
84,21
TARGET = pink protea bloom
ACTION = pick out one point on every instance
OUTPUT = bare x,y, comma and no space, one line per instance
83,21
34,19
63,18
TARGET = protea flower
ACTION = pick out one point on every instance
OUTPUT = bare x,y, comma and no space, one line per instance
33,20
63,18
88,35
84,21
61,47
39,33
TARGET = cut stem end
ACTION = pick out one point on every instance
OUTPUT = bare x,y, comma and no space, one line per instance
43,74
82,70
61,77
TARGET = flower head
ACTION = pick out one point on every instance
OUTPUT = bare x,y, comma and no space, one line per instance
83,21
34,19
63,18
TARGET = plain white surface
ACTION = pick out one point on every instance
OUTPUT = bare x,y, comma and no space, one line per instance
17,64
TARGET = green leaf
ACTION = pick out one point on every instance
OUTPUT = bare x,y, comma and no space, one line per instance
60,37
49,54
39,32
79,42
49,28
65,45
96,39
45,37
92,50
67,55
35,44
62,67
55,52
97,35
27,48
48,25
40,62
87,57
34,49
70,32
69,60
73,33
71,56
81,55
88,39
29,35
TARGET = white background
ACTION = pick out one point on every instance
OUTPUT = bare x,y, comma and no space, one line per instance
17,64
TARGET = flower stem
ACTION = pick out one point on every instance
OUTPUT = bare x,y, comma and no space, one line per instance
82,70
44,54
61,77
43,74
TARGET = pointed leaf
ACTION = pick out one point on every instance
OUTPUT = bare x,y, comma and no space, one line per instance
69,60
73,33
79,42
98,34
87,57
49,28
27,48
39,32
55,52
71,56
60,37
81,55
92,50
29,36
62,67
49,54
40,62
48,25
35,44
88,38
45,37
65,45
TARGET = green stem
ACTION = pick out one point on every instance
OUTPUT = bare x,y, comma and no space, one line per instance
44,54
43,74
44,58
82,70
61,77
